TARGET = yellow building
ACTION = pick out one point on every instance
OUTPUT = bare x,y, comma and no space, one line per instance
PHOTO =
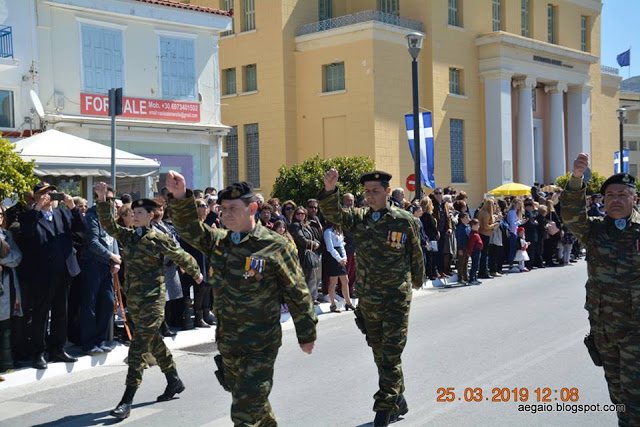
515,87
630,101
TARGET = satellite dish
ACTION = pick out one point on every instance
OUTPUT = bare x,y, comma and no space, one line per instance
36,103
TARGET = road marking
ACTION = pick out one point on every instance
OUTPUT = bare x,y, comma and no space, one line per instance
14,408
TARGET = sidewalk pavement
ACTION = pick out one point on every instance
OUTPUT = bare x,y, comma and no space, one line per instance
183,339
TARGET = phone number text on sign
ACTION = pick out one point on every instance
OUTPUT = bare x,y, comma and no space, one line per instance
142,108
505,394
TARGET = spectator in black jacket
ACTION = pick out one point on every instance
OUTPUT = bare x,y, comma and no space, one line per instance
530,231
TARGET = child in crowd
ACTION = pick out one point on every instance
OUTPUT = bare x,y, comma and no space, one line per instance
566,244
474,249
521,254
462,238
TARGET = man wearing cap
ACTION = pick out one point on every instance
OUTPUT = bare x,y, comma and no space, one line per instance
389,264
613,285
144,249
251,268
46,232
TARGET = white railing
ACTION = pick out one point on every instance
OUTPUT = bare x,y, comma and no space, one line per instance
356,18
609,70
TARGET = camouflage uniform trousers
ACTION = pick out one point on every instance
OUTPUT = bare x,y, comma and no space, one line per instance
617,338
147,315
387,325
250,378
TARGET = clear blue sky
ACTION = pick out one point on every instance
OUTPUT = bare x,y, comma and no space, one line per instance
619,30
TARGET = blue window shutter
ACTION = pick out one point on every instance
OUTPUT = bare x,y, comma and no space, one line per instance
178,68
102,59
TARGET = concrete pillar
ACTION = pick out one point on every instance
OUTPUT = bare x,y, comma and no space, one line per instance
525,152
557,157
497,101
578,121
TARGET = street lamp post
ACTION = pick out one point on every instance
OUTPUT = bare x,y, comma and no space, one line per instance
414,44
622,114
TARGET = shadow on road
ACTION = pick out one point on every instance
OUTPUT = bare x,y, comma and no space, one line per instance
92,419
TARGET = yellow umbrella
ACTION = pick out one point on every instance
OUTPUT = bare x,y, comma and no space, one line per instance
511,189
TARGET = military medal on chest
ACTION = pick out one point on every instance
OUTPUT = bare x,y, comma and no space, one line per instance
396,239
253,267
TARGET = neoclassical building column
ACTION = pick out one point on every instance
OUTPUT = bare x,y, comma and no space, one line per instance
498,136
578,121
557,157
526,156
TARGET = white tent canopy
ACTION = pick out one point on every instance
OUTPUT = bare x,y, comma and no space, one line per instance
61,154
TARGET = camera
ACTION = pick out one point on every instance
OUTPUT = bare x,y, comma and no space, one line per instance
56,196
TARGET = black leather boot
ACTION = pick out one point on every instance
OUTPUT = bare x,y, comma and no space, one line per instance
403,408
200,323
382,419
123,410
174,386
6,361
208,317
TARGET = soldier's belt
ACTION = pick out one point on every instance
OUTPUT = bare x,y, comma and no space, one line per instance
220,372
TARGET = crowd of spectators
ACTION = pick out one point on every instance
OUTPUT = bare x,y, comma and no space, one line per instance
58,265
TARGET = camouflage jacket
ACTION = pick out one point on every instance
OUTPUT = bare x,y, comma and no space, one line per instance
144,255
249,282
389,257
613,256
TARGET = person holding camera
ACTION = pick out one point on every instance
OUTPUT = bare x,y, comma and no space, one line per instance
47,234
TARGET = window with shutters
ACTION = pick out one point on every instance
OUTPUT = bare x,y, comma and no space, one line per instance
102,59
325,10
456,129
229,76
525,17
454,13
250,78
249,21
178,68
552,36
7,113
231,174
584,33
228,5
333,77
455,85
389,6
252,153
496,14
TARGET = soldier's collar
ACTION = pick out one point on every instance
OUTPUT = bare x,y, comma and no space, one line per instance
256,233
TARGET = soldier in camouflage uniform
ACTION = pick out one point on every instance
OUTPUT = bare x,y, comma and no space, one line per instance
613,285
144,250
389,264
251,269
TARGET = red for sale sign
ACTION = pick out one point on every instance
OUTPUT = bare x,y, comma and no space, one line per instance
141,108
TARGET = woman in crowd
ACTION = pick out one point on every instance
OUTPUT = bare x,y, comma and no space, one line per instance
541,217
265,215
10,296
488,224
125,216
514,219
288,208
550,246
305,241
81,204
281,228
337,266
496,256
431,229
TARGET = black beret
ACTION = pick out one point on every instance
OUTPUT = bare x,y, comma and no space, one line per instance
41,186
238,190
148,204
619,178
375,176
529,203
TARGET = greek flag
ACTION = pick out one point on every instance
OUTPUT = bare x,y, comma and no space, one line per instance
625,161
426,146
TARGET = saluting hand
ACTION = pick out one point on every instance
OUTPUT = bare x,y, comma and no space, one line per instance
308,347
330,180
580,165
101,191
176,184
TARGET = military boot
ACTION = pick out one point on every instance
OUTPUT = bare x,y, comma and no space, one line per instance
174,386
382,419
123,409
6,361
403,408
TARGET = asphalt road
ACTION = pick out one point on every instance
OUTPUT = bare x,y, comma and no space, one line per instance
523,331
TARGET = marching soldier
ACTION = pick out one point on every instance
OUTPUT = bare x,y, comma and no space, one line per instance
389,264
613,285
251,268
144,250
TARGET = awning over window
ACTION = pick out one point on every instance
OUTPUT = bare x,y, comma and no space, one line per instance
61,154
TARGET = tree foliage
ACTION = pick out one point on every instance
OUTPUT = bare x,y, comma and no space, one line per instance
593,186
16,175
304,180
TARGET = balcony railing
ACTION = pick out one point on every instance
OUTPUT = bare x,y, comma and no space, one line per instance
6,42
356,18
609,70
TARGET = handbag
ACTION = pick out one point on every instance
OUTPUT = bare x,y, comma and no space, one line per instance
310,259
552,228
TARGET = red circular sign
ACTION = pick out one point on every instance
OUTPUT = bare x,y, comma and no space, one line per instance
411,182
